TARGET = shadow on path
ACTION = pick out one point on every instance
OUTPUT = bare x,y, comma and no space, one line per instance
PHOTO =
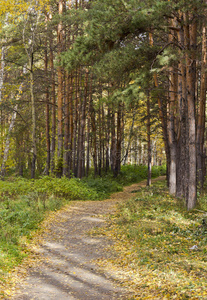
66,269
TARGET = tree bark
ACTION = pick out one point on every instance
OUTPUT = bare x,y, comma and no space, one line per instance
34,142
113,141
7,144
202,114
60,94
94,129
3,53
119,140
190,43
53,100
81,160
11,126
171,121
149,175
66,128
75,127
107,140
182,153
70,158
47,110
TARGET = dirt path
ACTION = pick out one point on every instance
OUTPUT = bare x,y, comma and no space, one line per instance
65,267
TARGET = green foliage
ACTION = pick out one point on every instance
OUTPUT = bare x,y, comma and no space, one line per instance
132,173
72,189
104,186
129,174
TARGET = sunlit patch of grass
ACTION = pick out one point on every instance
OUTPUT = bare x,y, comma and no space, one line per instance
162,245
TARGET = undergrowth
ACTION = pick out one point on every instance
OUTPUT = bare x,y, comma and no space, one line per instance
162,245
24,204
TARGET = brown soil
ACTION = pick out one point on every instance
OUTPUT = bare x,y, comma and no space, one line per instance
65,266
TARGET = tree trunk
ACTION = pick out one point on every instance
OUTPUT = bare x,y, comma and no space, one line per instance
100,140
113,142
171,121
119,140
182,153
81,159
60,94
94,127
3,52
74,148
53,100
66,128
70,158
107,140
190,42
34,142
88,133
149,175
7,142
130,137
201,115
47,113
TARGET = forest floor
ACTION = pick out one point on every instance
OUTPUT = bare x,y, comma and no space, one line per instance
66,255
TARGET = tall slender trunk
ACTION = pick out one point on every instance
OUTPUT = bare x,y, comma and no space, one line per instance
130,137
11,126
74,148
119,140
53,100
182,154
81,159
7,144
2,69
88,131
47,112
149,142
80,105
191,79
34,142
107,139
60,93
103,136
66,128
202,114
172,120
94,129
113,141
70,158
100,140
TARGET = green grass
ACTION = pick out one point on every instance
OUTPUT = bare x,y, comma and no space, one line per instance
164,245
129,174
132,173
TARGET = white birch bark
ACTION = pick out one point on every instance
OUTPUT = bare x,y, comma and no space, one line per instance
7,142
3,51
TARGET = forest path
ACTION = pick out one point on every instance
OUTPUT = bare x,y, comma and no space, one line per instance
64,266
